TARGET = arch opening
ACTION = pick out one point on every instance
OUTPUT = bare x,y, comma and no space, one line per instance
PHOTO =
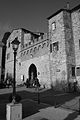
32,74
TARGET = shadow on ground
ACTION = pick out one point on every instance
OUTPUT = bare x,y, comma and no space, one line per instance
71,116
30,105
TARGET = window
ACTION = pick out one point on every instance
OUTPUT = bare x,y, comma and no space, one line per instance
8,56
79,44
26,45
53,26
55,46
39,47
24,52
8,44
44,44
78,71
31,50
19,63
29,43
21,54
73,71
41,36
27,51
50,48
47,44
35,49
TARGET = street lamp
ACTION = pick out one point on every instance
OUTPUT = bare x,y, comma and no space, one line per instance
15,44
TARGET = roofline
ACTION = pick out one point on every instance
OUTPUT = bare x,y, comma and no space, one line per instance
26,31
72,10
75,8
58,13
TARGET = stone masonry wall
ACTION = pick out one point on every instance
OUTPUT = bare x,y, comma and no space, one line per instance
42,65
69,45
76,36
9,52
58,59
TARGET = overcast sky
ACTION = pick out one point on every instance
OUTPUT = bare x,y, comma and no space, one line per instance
29,14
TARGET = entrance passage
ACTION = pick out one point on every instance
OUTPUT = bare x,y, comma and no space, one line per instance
32,74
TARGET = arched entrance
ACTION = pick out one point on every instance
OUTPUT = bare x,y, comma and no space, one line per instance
32,74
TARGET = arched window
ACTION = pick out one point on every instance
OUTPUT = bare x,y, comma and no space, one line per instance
44,44
31,50
35,49
27,51
39,47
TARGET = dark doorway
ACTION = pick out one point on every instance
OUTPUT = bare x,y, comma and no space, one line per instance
32,73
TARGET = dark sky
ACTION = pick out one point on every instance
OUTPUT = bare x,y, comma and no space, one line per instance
29,14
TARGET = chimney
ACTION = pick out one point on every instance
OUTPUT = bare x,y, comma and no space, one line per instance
68,6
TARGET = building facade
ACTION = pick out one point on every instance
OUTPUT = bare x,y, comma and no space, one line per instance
32,56
50,58
1,45
64,36
4,40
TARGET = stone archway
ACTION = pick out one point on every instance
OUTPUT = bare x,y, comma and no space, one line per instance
32,74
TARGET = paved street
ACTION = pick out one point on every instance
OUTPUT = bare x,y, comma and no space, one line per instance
67,104
51,113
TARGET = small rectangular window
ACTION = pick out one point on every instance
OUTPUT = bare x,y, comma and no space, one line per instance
53,26
78,71
8,44
29,43
55,47
73,71
79,44
50,48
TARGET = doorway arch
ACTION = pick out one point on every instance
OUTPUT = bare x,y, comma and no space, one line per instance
32,72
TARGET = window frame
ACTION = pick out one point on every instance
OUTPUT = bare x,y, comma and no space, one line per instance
53,26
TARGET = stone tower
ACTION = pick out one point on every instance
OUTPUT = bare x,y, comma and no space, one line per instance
62,54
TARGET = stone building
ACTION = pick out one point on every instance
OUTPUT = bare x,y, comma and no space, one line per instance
64,36
50,58
1,45
4,40
32,56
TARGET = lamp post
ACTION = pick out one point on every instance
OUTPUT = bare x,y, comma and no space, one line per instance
15,44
